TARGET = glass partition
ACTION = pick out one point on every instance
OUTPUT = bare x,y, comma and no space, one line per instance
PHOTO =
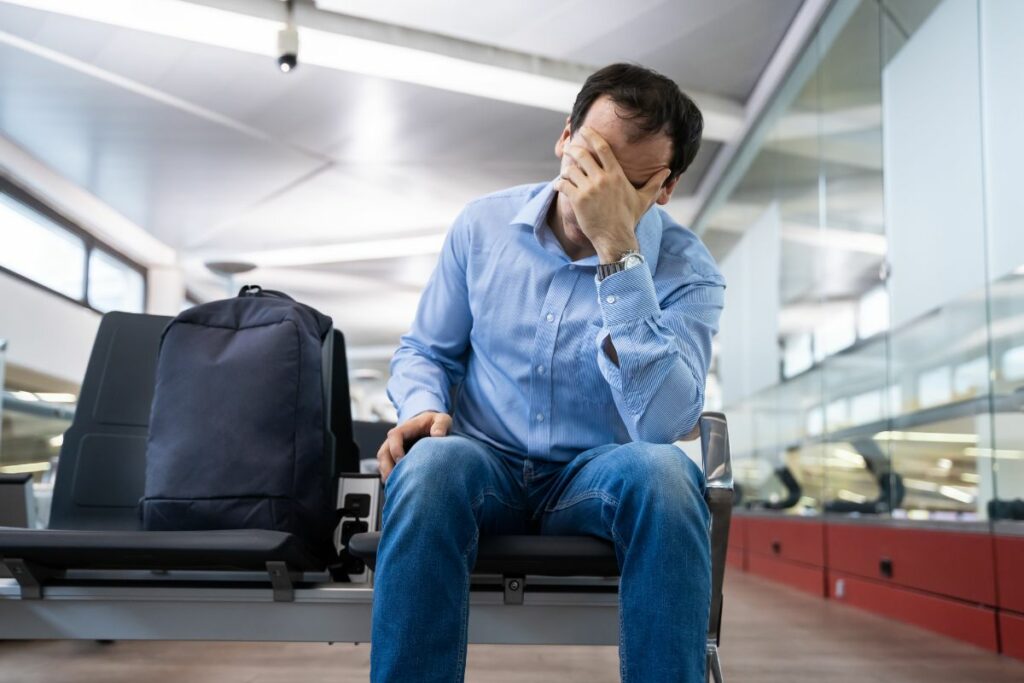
1002,99
880,224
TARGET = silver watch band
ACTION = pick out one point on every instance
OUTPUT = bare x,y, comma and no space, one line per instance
628,260
606,269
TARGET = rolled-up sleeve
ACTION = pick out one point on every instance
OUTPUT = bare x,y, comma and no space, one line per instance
663,349
431,357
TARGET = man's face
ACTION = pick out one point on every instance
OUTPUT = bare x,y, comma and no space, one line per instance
639,159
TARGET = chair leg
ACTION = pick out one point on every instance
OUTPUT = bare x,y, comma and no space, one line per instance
714,672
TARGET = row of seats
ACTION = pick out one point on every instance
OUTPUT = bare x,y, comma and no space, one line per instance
95,526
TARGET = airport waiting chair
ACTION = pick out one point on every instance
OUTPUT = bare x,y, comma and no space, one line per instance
94,575
94,519
17,506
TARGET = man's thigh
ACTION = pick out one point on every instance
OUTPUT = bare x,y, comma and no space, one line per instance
590,489
444,473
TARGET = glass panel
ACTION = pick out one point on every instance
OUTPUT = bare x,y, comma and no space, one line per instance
851,254
939,341
39,249
114,285
899,311
1002,53
765,333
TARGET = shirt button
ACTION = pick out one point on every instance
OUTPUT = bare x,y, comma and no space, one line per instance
549,317
540,417
540,369
572,267
610,298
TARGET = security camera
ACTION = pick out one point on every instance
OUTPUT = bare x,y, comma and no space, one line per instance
287,48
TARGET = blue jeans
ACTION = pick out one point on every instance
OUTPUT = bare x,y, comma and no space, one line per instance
447,491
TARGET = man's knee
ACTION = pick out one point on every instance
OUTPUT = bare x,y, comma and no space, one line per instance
662,473
437,466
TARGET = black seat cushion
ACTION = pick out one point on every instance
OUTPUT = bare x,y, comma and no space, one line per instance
244,549
531,554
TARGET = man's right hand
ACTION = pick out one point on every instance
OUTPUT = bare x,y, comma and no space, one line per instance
406,434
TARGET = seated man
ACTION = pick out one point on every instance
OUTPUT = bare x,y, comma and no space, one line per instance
575,319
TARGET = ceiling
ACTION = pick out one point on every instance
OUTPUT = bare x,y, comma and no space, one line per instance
216,153
714,46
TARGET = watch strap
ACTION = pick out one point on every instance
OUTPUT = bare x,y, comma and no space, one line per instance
606,269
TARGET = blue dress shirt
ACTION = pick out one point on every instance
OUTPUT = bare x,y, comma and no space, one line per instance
516,328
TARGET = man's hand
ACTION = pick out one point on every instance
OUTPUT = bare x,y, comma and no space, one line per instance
606,204
406,434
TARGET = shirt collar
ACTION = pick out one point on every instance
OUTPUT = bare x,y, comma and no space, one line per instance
534,214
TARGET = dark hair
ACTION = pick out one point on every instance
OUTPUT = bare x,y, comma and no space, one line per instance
652,102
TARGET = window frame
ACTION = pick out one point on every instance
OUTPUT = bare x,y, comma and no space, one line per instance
30,200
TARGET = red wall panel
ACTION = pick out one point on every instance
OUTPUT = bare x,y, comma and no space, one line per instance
1010,571
798,540
801,576
735,557
970,623
956,564
1011,627
738,532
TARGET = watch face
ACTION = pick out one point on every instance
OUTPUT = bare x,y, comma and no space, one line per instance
632,261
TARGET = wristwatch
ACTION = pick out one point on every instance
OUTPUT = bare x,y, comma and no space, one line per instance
631,259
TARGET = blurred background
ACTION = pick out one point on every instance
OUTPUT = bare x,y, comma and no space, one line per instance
143,142
858,185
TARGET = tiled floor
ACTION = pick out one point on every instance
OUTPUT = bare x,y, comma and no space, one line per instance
772,635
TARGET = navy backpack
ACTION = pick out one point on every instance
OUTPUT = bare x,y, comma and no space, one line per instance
237,434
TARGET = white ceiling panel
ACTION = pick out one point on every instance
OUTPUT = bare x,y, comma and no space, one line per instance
167,170
718,46
360,202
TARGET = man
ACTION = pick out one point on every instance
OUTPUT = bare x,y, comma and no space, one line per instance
575,319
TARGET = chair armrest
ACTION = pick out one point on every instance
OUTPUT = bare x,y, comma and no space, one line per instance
714,448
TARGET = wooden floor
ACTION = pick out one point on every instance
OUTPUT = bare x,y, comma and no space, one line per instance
772,635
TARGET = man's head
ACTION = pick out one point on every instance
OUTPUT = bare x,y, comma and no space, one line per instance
649,123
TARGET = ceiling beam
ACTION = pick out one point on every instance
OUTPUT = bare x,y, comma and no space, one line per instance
325,254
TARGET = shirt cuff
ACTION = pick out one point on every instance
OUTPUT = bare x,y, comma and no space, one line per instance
628,295
420,403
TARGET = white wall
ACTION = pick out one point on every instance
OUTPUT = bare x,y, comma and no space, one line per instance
749,359
933,164
1002,59
165,291
45,333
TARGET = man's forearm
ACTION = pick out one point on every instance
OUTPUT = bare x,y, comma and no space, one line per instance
656,360
418,382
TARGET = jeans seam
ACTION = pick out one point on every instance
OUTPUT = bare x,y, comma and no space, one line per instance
622,638
611,500
460,668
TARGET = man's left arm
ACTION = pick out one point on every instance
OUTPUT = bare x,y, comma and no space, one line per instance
655,356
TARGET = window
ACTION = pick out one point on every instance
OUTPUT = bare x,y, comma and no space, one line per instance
41,250
114,285
46,249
